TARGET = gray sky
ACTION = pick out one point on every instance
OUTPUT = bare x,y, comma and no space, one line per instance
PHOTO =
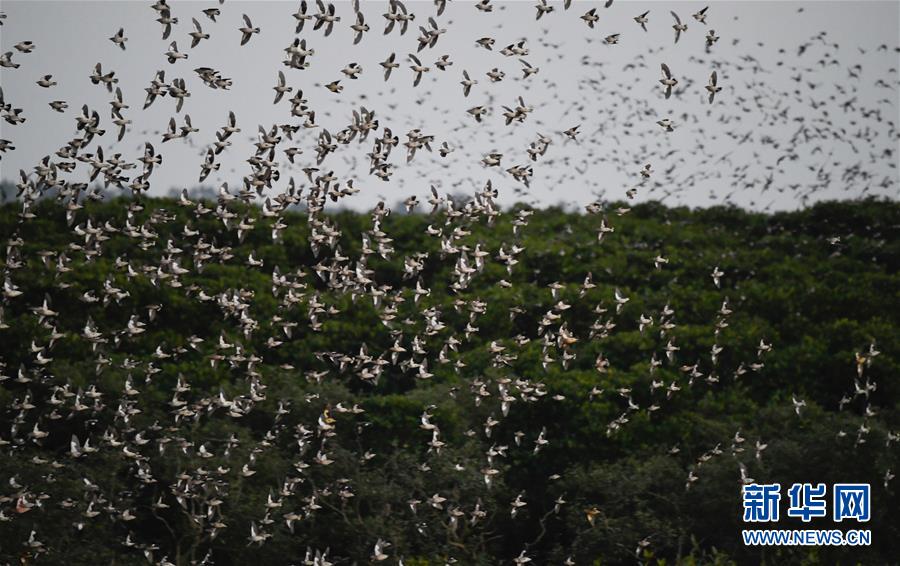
725,151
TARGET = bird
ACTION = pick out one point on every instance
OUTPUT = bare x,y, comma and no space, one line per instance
302,16
798,404
712,88
119,38
642,19
668,81
486,42
7,62
378,554
717,276
542,9
467,83
167,21
700,15
418,69
197,35
360,27
173,54
247,30
281,87
590,17
527,69
678,26
46,81
352,70
389,65
257,537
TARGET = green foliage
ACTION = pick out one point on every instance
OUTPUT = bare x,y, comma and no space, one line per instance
818,303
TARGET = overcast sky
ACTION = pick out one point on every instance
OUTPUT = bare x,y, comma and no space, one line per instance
726,151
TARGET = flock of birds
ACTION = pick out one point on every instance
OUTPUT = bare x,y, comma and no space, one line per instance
789,131
422,338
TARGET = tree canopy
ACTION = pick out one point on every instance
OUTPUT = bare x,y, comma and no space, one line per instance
455,386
